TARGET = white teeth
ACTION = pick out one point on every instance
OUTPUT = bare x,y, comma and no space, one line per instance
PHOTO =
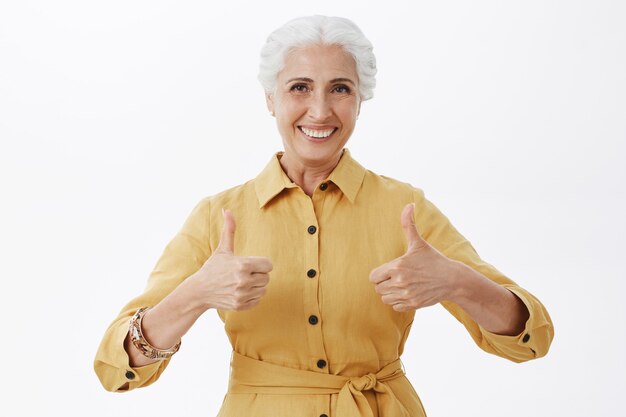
317,133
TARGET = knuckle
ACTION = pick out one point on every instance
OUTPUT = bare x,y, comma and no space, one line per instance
241,264
396,268
375,274
251,303
238,305
240,293
240,285
421,245
243,307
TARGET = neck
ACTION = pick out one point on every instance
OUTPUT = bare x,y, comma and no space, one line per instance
307,176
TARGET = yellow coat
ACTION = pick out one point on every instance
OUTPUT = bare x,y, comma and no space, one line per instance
321,342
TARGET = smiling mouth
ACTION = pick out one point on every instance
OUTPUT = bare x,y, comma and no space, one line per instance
317,134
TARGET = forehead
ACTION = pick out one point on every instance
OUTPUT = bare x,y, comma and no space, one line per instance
319,62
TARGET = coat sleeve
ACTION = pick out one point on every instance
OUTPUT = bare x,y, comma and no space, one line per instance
534,341
183,256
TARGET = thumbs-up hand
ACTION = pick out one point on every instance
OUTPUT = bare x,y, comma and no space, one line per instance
420,278
230,282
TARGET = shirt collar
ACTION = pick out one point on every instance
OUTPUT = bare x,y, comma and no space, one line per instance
348,176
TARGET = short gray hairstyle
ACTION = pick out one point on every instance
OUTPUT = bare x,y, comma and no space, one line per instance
318,30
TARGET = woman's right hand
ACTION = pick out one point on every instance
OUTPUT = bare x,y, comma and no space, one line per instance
227,281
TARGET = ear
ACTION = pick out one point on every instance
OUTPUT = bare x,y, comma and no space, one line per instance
269,100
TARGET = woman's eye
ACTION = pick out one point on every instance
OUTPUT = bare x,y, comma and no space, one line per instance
300,88
344,89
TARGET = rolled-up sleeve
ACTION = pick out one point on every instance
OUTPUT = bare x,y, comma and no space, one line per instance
534,341
182,257
112,362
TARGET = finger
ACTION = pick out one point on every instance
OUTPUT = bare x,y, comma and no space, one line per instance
260,264
380,274
258,292
391,299
402,308
250,304
259,280
253,299
227,239
384,287
413,237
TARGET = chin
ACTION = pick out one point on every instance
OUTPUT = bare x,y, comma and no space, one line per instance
319,153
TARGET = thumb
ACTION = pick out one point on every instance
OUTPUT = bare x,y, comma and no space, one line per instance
413,237
227,240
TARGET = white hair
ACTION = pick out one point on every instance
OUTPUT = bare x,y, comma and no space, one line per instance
318,30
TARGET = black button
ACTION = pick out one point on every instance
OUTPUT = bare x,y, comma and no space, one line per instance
323,415
311,273
313,319
323,186
526,338
312,229
130,375
321,363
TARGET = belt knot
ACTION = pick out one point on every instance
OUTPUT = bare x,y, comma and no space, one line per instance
364,383
253,376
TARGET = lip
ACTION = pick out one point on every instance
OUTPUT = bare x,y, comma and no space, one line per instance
313,127
318,127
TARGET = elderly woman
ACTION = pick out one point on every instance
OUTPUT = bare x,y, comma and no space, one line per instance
317,265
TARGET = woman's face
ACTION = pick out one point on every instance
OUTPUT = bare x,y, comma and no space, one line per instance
316,103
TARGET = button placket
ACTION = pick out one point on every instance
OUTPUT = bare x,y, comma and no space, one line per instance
312,318
323,404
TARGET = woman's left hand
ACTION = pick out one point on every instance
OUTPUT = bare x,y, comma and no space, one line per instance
421,277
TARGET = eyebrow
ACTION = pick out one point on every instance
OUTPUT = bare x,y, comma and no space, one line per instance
334,80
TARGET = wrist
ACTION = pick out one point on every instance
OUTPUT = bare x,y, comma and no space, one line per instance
191,297
462,283
141,343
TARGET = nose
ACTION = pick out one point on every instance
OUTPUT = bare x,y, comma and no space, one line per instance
320,107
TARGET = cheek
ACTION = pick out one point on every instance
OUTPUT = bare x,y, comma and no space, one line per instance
348,117
348,111
289,112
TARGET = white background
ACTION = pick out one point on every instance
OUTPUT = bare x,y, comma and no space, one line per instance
117,117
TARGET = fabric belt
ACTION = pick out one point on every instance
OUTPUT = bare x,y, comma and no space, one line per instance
252,376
